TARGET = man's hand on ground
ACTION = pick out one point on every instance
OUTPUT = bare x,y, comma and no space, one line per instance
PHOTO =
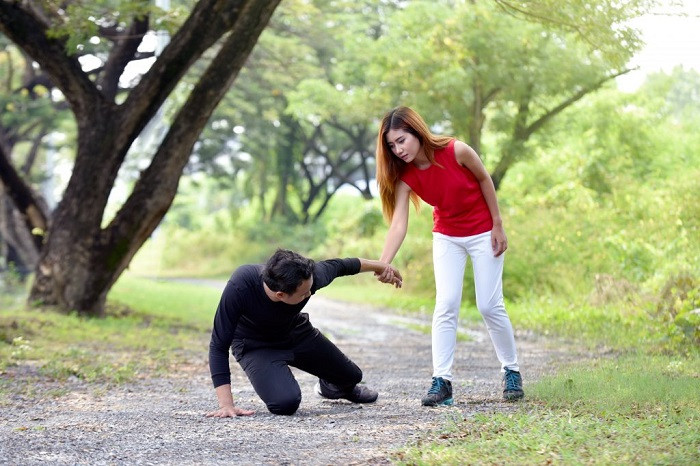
230,411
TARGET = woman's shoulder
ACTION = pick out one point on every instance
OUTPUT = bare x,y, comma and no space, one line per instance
448,148
463,153
447,152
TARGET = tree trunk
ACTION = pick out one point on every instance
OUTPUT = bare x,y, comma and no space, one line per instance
23,211
21,248
81,258
68,274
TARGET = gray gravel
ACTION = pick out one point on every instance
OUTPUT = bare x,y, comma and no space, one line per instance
160,421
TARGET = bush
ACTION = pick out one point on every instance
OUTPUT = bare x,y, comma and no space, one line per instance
679,309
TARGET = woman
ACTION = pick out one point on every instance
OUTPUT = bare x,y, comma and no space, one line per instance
447,174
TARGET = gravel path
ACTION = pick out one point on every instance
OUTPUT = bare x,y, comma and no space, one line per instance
160,421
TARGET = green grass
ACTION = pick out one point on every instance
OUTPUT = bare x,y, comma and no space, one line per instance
618,326
643,409
149,328
188,304
639,410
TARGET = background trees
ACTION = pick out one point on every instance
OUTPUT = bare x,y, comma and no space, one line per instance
300,122
80,258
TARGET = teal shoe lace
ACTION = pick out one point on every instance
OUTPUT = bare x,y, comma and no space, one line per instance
513,380
436,386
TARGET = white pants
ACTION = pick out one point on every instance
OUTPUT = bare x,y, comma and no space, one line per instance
449,259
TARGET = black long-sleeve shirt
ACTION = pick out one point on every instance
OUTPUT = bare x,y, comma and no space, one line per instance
247,316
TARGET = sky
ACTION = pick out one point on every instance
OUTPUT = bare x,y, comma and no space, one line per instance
671,40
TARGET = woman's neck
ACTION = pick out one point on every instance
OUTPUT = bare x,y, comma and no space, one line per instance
421,161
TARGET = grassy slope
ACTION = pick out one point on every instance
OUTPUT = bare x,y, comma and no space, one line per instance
149,327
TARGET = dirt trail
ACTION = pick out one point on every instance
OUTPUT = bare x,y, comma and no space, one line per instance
160,421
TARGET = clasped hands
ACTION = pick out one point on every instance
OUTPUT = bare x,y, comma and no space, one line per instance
390,274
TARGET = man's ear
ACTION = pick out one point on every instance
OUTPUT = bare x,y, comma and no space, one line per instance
280,295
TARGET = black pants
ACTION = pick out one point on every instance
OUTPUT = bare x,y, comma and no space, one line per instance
273,381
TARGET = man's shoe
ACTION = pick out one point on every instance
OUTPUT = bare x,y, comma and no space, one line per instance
440,393
358,394
512,385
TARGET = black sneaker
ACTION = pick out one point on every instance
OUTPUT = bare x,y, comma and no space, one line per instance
440,393
358,394
512,385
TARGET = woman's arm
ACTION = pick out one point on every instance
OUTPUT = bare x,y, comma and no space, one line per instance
399,224
467,157
396,234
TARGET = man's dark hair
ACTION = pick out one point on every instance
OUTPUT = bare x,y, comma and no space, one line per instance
285,271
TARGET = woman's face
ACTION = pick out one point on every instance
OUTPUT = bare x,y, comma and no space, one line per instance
403,144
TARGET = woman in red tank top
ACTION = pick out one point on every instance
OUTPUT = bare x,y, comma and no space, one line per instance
414,163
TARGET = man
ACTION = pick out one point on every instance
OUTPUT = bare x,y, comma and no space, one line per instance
259,317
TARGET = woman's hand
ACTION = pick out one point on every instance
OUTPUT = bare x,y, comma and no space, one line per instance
499,242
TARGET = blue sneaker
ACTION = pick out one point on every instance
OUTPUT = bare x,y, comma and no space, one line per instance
512,385
440,393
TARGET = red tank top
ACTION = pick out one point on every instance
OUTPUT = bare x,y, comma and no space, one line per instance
459,207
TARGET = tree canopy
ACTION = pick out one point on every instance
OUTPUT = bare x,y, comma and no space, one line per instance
300,121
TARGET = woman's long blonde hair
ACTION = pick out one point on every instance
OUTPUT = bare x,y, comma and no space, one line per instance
390,167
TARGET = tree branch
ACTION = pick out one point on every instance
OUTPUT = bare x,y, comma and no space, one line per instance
537,124
156,188
28,31
24,199
209,20
124,51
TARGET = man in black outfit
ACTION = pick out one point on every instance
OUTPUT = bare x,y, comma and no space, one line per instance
259,317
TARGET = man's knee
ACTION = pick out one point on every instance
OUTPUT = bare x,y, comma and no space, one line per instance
285,407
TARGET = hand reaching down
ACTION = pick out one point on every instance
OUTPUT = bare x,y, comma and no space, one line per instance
390,274
230,411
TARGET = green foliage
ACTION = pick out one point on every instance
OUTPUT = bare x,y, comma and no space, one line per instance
589,414
600,213
679,308
603,25
501,74
80,21
216,244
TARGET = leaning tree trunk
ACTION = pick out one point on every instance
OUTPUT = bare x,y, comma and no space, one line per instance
23,217
16,235
82,258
